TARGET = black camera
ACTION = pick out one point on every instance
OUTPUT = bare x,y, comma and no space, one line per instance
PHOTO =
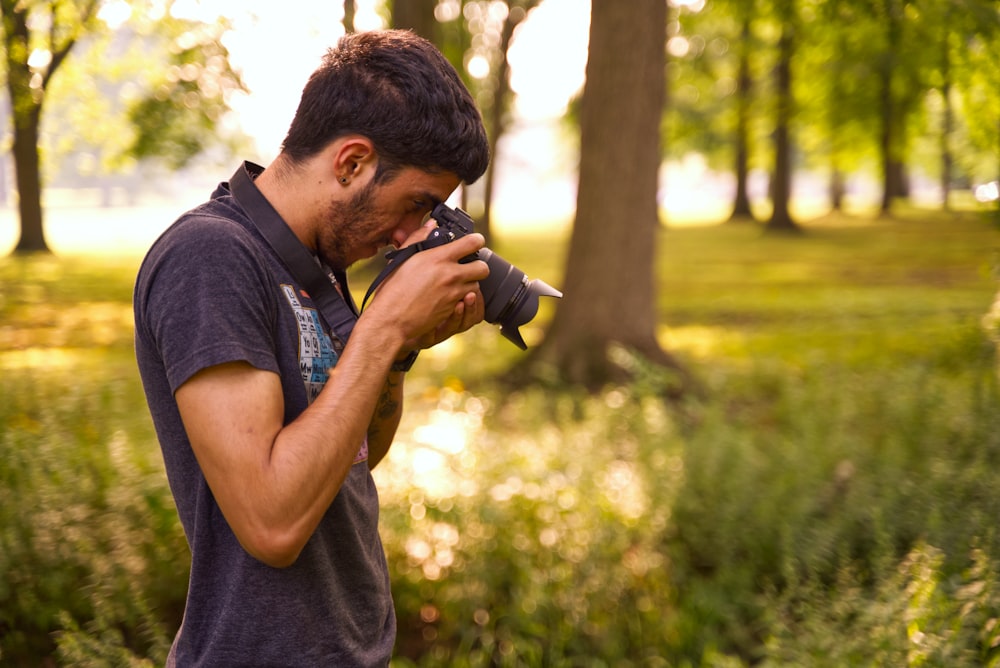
511,299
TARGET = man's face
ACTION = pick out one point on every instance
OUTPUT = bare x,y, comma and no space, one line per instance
381,214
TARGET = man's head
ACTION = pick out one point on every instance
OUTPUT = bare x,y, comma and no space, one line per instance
396,89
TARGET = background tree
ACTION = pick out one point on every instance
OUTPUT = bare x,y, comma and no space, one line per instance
955,29
713,108
781,176
176,120
33,54
609,282
744,100
418,16
835,91
171,113
350,9
890,149
946,34
978,75
476,36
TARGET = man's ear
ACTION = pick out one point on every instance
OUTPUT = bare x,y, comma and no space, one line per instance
354,155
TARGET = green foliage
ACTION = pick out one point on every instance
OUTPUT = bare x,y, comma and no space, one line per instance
89,538
152,86
828,500
178,119
618,528
914,614
512,548
845,53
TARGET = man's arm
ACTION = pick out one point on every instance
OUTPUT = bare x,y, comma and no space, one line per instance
274,483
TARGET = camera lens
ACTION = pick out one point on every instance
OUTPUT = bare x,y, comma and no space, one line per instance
511,299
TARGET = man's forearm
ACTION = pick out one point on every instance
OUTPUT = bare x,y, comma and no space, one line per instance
385,419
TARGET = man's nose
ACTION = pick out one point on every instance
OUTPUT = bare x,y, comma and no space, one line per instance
402,232
399,237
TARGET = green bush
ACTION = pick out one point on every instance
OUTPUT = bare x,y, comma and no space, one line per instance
89,537
619,530
88,531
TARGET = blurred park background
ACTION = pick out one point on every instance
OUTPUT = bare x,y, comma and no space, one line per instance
760,429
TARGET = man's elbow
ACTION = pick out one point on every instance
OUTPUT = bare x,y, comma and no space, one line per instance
275,548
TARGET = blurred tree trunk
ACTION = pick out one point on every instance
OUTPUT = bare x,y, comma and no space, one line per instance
947,122
744,90
610,273
839,117
26,96
947,160
781,184
837,189
899,179
418,16
887,139
27,172
349,11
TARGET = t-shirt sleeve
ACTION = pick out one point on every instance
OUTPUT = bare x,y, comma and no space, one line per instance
207,298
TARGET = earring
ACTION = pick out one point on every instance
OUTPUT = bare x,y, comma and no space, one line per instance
343,180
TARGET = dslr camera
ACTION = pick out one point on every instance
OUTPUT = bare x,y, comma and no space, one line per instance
511,300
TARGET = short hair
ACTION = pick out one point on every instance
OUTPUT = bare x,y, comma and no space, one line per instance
399,91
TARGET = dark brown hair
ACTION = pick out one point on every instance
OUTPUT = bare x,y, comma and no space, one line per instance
399,91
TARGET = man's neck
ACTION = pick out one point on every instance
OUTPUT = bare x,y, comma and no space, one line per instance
285,187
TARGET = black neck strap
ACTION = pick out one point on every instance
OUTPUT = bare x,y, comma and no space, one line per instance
395,258
337,309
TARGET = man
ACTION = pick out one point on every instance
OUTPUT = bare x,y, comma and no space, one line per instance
269,420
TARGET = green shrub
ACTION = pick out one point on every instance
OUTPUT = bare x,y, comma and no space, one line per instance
616,530
89,537
88,530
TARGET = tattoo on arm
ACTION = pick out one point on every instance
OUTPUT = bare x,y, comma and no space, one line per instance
385,419
387,405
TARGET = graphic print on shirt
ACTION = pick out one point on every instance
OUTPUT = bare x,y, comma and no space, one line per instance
317,353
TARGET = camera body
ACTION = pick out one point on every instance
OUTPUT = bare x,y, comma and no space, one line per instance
452,224
511,299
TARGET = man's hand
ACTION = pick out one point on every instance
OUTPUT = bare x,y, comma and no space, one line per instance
434,296
468,312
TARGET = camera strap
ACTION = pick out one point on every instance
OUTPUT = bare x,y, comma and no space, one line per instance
336,307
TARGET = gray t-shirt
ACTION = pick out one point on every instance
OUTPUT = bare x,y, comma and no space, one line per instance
210,291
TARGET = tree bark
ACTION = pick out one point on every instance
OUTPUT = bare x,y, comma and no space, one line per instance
888,106
418,16
947,121
26,110
27,171
838,117
349,11
610,273
837,189
781,183
744,89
